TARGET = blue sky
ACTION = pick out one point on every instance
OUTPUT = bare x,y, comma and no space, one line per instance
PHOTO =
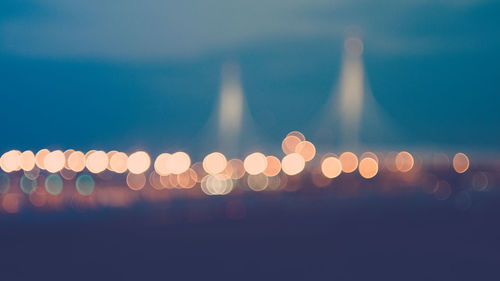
146,74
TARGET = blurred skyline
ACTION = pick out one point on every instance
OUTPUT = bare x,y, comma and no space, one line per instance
118,74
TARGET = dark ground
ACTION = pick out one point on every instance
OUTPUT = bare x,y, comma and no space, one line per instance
296,236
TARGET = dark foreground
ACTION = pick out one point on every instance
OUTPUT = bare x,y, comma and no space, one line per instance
285,236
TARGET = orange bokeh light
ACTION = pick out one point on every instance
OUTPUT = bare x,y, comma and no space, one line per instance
331,167
118,162
306,149
40,157
298,135
11,161
273,166
178,163
76,161
138,162
27,160
255,163
460,163
97,162
54,161
349,162
404,161
214,163
289,144
368,167
136,181
293,164
235,169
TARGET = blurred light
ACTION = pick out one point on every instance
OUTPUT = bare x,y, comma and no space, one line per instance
390,161
255,163
349,162
404,161
109,155
480,181
369,155
273,166
306,149
460,163
97,162
53,184
289,144
138,162
136,181
443,190
368,168
214,163
67,174
4,183
27,185
33,173
155,180
235,169
85,184
76,161
200,172
298,135
331,167
118,162
216,184
293,164
274,182
257,182
67,153
11,161
38,198
187,179
54,161
160,164
40,157
27,160
11,203
178,163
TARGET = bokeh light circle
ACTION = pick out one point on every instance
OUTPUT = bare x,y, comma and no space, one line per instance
27,160
214,163
178,163
53,184
97,162
27,185
460,163
138,162
331,167
293,164
404,161
54,161
349,162
368,168
118,162
273,166
257,182
85,184
255,163
11,161
306,149
76,161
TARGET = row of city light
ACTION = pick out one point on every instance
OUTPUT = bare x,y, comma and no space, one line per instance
215,173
